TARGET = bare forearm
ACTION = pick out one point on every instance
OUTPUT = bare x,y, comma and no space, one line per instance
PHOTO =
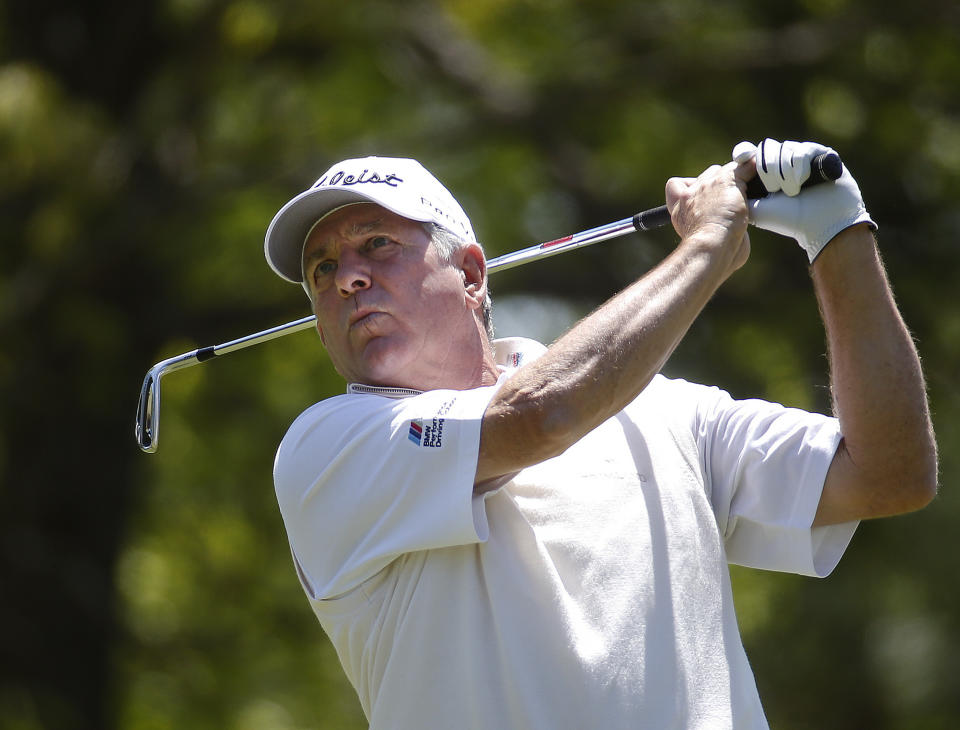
600,365
878,387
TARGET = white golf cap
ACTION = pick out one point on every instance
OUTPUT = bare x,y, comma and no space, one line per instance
401,185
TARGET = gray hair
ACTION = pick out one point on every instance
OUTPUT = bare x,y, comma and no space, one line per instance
447,244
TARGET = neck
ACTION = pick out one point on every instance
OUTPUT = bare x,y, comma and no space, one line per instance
464,364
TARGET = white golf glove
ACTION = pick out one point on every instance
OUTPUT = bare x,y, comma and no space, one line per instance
811,217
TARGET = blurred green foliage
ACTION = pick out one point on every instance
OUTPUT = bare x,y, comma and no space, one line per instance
143,150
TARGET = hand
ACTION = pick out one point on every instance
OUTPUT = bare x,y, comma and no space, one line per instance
711,209
811,217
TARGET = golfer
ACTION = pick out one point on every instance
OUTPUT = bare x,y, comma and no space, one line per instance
498,534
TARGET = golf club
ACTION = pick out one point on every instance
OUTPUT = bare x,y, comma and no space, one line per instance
824,168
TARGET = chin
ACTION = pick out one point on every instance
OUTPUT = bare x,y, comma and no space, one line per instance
388,365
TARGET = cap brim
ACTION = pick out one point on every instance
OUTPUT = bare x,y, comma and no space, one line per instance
283,244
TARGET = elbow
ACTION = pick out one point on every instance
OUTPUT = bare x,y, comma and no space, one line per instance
909,470
926,475
925,485
916,496
915,486
922,467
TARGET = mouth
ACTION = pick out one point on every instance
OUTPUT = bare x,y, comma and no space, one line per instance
363,317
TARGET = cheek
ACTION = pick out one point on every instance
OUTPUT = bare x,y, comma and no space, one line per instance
326,319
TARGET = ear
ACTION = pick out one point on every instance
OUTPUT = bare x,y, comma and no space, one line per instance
473,268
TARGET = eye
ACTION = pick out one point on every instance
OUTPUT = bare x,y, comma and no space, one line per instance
323,269
378,242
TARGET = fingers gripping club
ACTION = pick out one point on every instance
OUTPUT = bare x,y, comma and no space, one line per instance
812,219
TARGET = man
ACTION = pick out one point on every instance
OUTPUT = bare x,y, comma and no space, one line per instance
505,535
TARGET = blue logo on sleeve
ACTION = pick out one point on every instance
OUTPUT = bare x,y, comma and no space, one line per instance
427,433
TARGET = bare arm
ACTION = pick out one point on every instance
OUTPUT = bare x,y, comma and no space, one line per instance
604,362
887,462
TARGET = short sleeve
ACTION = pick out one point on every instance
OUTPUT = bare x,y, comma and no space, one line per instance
362,479
765,466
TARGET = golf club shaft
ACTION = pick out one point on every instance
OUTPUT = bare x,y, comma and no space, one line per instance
148,409
824,168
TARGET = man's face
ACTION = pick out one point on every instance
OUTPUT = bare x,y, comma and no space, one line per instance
389,310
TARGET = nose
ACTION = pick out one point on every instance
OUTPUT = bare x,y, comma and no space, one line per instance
353,273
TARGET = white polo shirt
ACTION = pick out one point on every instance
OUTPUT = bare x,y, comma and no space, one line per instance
590,590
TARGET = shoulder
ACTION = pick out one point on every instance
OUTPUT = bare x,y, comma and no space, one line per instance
334,418
663,386
340,409
354,422
349,406
324,429
681,397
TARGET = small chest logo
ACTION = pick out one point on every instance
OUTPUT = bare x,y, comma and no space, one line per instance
427,433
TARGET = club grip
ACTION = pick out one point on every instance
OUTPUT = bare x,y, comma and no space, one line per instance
647,220
823,168
826,167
